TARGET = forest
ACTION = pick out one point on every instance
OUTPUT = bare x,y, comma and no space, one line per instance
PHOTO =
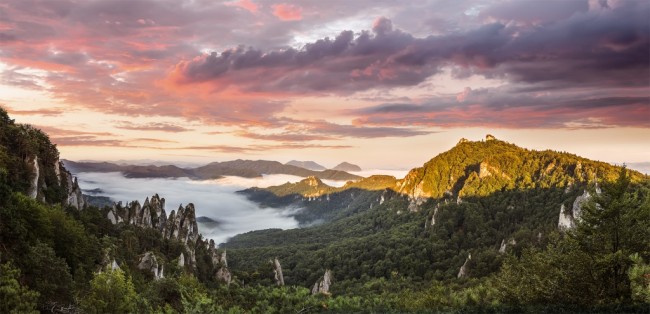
490,245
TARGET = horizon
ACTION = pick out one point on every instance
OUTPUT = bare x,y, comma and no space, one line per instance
377,84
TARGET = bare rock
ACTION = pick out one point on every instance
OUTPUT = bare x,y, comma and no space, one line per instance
223,274
148,262
277,272
464,270
323,284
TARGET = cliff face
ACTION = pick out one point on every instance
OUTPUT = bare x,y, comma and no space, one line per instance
63,181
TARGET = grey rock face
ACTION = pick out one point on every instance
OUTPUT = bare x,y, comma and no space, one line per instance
464,270
323,285
74,196
223,274
219,261
277,272
148,262
568,219
504,245
33,188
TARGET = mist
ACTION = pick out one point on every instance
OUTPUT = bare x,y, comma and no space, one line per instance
215,199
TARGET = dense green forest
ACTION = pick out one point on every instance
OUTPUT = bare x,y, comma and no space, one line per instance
390,246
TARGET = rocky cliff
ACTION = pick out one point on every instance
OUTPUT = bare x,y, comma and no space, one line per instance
64,182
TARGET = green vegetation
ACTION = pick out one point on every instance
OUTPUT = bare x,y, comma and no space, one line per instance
385,254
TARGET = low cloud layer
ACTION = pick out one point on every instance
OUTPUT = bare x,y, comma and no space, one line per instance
214,199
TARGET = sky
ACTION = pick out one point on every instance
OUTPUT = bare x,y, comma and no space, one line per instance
379,83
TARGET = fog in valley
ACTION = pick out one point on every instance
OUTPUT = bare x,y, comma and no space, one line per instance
215,199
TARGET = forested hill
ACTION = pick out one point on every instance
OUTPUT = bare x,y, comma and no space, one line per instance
469,169
484,167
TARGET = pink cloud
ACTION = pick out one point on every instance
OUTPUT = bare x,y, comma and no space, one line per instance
247,5
287,12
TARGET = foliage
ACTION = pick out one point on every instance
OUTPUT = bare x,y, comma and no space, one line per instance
111,291
592,265
639,275
14,297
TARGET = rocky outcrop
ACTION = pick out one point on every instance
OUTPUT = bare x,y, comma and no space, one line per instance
179,225
181,261
464,270
568,219
504,245
484,170
490,137
74,196
277,272
149,263
223,274
220,262
33,188
323,284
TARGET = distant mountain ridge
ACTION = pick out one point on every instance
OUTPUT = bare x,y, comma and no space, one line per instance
310,165
215,170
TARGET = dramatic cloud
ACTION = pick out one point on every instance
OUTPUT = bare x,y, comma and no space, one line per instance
600,47
312,74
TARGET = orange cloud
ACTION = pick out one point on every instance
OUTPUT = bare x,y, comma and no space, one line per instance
287,12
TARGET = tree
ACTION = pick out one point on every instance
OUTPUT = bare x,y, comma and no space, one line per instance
615,224
110,292
14,297
49,275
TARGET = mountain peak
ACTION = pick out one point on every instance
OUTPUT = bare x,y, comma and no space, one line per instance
346,166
